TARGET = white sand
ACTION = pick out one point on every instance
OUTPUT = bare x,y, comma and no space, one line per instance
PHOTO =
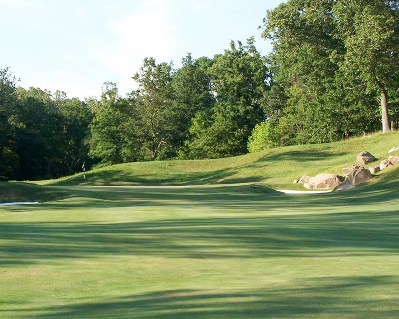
302,192
19,203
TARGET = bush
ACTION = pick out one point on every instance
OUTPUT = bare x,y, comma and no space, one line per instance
263,137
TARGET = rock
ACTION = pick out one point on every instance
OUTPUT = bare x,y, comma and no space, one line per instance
374,169
393,159
357,177
323,181
296,181
364,158
348,170
304,179
393,149
384,164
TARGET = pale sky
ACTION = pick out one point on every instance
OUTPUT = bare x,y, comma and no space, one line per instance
77,45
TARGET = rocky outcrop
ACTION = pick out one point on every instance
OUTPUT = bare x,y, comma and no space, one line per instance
323,181
355,174
359,176
365,158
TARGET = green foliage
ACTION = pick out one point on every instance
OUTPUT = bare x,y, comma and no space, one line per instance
238,79
331,60
370,31
8,124
155,110
192,97
108,128
41,134
263,137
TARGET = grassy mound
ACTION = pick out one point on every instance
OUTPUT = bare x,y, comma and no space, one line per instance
275,168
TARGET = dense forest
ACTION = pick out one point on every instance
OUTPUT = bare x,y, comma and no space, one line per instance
333,73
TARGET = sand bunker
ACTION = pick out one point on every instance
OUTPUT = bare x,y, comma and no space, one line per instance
19,203
302,192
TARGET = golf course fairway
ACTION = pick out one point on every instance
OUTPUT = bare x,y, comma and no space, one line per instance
238,249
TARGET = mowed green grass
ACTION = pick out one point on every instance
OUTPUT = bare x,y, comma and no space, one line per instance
215,250
275,168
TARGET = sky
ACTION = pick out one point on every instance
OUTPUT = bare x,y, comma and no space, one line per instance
76,45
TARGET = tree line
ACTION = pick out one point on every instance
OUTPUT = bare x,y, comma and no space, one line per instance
332,74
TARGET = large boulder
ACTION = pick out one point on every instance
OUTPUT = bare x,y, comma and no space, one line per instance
359,176
364,158
323,181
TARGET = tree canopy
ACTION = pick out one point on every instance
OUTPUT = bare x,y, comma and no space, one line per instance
332,60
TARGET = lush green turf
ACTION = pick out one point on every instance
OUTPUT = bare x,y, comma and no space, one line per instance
203,251
276,168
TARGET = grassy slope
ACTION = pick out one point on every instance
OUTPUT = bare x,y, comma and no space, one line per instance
208,251
276,168
22,192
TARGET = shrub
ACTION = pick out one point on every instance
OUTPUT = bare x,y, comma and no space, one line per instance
263,137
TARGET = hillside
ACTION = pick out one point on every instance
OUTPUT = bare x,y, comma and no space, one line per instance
275,168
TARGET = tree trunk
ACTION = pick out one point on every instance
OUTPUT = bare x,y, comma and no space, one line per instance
384,109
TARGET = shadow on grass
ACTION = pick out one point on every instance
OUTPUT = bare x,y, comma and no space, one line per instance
302,155
20,191
254,222
336,297
161,178
312,235
172,176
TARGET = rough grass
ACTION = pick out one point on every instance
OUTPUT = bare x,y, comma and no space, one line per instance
205,251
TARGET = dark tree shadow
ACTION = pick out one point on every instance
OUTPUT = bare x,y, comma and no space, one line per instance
323,297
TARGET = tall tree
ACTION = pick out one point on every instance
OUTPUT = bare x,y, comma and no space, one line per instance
75,119
154,109
108,129
8,124
308,51
239,85
370,31
191,90
39,135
